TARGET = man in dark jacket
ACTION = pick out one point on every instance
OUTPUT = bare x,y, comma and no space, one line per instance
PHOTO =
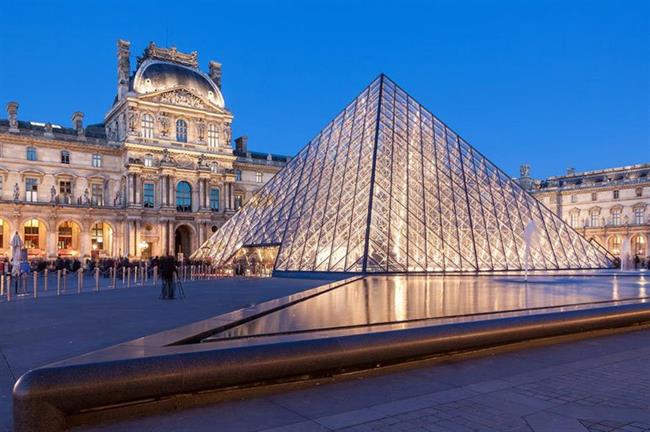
167,267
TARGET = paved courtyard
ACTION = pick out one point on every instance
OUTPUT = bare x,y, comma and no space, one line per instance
597,383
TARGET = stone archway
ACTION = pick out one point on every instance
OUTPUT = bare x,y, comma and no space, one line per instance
183,241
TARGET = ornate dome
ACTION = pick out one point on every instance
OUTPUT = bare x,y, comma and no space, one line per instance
155,76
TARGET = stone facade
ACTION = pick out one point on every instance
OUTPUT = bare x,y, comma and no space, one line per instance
610,206
156,177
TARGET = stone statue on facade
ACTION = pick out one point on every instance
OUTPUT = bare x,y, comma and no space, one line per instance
163,120
165,157
227,133
133,120
16,192
524,171
118,198
86,197
200,129
52,194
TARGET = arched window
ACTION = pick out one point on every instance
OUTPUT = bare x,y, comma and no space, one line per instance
147,126
638,246
213,135
615,244
183,197
181,130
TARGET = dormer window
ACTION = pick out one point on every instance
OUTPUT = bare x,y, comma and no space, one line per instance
181,130
147,126
213,136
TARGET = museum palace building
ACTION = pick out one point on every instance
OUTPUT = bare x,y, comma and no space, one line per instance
157,176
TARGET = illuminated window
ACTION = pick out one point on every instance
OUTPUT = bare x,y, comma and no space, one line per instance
616,217
638,245
213,136
258,177
148,195
97,236
31,234
184,197
31,153
97,160
65,236
31,190
147,126
97,194
181,130
615,244
638,216
214,199
148,160
65,157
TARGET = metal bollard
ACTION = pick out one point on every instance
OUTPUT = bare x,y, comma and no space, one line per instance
65,280
114,269
80,280
2,284
35,285
123,276
58,282
128,278
96,279
155,275
9,287
143,272
46,273
146,272
135,275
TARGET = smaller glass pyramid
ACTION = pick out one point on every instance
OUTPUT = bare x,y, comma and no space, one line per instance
387,187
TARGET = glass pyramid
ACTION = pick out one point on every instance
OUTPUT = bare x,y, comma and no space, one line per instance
387,187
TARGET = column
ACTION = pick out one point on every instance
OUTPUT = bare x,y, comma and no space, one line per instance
164,236
84,241
201,232
201,204
136,238
127,238
170,231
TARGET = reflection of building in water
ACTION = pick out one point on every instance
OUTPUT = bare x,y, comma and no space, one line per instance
609,205
375,300
387,187
157,175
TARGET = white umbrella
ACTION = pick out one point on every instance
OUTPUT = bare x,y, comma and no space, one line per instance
16,253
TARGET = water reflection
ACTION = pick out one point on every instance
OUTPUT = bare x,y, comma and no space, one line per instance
391,299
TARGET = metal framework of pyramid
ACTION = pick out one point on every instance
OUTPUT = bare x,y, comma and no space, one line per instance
387,187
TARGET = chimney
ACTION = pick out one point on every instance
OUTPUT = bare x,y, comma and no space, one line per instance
12,114
123,67
570,171
78,123
48,130
241,144
215,72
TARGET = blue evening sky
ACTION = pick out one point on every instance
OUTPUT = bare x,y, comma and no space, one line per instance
550,83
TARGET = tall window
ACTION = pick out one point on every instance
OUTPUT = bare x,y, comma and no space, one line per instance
616,217
65,236
147,126
239,201
258,177
615,244
1,185
31,234
213,135
214,199
31,153
594,219
574,198
575,219
638,192
238,175
594,196
615,194
183,197
97,236
97,194
97,160
2,232
638,216
148,195
638,245
65,157
181,130
148,160
31,190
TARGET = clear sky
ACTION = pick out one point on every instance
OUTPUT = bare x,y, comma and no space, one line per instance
550,83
